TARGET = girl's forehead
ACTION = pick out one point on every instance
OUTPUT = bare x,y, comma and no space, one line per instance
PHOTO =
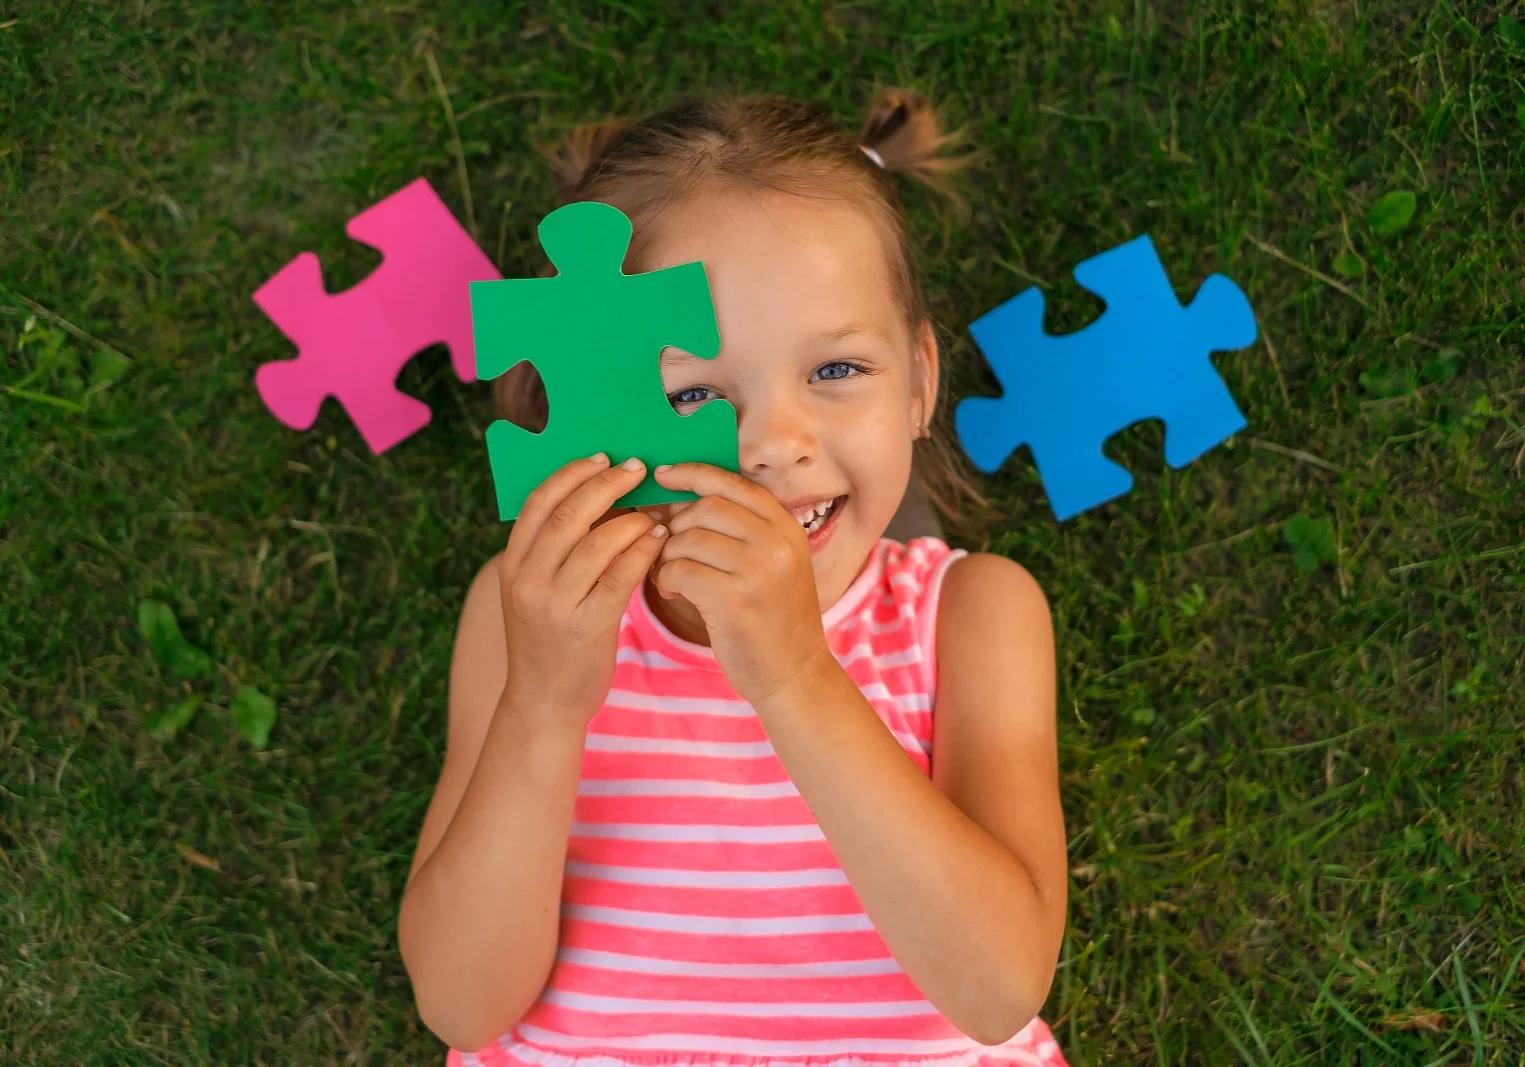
770,246
763,225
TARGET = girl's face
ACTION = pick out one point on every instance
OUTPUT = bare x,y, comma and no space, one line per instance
829,384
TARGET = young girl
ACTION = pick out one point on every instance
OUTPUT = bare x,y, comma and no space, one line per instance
741,781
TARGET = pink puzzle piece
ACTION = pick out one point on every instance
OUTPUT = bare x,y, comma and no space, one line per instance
352,344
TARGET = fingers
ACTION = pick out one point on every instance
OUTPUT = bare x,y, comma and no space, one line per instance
542,501
612,592
689,579
721,515
705,546
591,556
567,521
666,513
707,480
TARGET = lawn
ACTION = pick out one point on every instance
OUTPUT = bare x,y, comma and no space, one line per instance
1291,673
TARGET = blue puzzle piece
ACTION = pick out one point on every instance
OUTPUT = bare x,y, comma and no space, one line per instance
1145,357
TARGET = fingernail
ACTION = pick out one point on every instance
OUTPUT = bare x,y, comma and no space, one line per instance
658,530
663,467
599,458
631,464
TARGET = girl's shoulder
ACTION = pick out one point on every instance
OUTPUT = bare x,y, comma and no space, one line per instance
991,606
931,567
964,605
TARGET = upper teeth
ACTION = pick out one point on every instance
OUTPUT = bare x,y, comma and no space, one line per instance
808,515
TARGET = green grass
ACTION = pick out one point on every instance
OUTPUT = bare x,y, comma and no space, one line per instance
1294,796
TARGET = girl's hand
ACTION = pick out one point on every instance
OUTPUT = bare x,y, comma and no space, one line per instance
565,584
744,563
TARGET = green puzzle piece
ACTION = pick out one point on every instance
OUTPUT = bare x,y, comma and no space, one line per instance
596,334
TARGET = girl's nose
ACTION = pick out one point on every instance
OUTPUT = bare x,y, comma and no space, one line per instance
774,438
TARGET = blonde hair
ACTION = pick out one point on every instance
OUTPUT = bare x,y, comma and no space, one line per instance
773,142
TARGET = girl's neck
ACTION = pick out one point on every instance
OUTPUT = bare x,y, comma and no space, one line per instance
678,615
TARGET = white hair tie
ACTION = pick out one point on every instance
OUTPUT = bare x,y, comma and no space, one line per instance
878,160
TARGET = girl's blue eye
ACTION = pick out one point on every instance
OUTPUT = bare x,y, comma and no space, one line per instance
837,370
688,396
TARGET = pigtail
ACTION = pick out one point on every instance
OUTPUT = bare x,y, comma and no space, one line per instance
579,155
902,134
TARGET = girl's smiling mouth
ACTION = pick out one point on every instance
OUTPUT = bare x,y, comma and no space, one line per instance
819,518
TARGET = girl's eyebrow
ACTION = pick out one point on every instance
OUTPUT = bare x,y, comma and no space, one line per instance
673,356
846,330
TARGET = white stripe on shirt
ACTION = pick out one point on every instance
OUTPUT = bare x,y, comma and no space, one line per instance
624,698
873,1009
679,787
696,833
722,925
956,1049
676,879
667,746
615,961
645,658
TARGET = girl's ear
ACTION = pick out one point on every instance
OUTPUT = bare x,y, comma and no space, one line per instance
924,356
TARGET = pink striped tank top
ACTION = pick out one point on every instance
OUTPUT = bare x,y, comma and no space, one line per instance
705,920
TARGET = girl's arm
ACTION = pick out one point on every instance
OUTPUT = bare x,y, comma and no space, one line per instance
481,912
964,876
534,657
